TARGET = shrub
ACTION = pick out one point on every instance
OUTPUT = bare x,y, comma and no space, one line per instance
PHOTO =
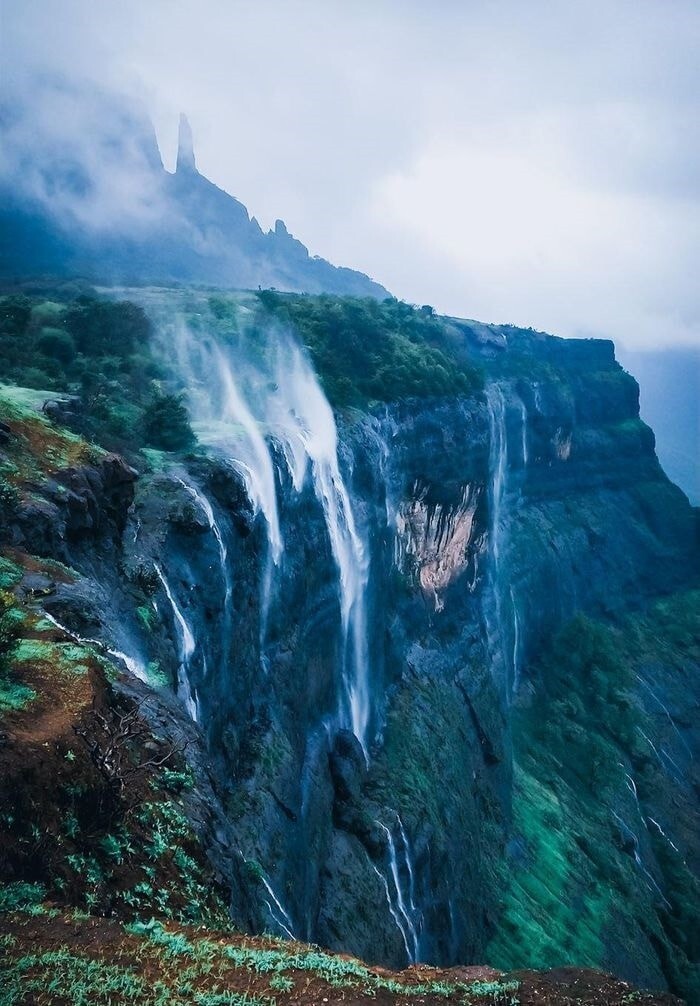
166,424
107,327
56,343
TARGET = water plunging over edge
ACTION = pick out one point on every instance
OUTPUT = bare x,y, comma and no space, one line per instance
187,648
281,399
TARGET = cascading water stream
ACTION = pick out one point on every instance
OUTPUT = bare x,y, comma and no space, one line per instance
516,643
652,884
394,914
402,916
187,648
408,859
257,467
278,913
523,430
499,468
498,464
131,663
664,708
202,501
224,420
199,497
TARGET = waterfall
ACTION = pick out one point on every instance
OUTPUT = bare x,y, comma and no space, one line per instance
199,497
408,859
662,706
239,404
498,463
224,420
257,466
278,913
664,835
187,648
206,506
523,418
498,469
394,914
403,916
653,885
516,643
306,426
133,665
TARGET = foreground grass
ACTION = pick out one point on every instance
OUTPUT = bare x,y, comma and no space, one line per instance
52,956
48,956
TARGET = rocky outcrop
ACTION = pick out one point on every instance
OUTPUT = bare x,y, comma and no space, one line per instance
433,543
75,509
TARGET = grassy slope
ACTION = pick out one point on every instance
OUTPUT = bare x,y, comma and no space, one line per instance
56,957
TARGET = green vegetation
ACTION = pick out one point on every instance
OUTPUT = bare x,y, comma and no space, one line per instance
166,425
153,964
78,980
584,774
366,351
9,630
338,972
98,351
14,694
20,896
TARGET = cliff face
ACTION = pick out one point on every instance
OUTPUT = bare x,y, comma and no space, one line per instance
442,702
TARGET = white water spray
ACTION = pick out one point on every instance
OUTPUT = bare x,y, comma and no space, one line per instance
238,407
224,420
305,424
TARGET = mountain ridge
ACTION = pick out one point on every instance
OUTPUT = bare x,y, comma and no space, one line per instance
105,208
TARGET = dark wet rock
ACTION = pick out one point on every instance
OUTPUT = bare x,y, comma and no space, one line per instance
37,585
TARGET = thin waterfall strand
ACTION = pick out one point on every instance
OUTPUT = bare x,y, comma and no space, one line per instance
187,648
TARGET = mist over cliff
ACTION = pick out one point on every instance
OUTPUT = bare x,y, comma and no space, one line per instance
83,192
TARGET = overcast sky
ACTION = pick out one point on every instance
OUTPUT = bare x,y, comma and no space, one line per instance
527,162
